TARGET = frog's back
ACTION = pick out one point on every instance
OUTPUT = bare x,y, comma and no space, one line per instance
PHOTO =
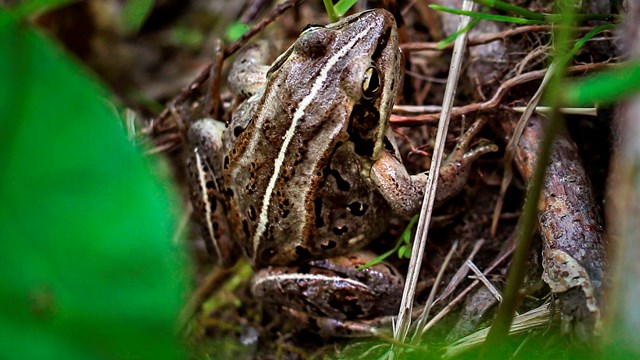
292,176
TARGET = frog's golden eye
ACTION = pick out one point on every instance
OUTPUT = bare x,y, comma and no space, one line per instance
371,82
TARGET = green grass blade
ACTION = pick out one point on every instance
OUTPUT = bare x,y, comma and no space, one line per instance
485,16
501,5
606,87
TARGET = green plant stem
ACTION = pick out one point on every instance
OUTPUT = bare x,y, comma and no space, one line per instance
451,38
331,10
484,16
545,19
512,298
501,5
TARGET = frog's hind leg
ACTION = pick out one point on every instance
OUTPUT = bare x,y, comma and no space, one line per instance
204,167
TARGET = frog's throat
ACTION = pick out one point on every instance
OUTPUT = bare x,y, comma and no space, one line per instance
299,114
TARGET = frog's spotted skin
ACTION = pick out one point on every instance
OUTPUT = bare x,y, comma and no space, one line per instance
307,174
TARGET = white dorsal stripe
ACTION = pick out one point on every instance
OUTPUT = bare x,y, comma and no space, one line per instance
313,277
300,111
207,204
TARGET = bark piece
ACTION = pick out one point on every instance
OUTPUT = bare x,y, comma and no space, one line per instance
571,227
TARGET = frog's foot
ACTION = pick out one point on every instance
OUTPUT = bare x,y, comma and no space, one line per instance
463,151
454,172
333,289
204,168
329,327
405,192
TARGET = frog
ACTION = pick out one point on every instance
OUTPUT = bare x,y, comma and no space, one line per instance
307,172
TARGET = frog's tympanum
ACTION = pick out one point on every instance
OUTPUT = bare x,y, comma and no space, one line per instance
307,171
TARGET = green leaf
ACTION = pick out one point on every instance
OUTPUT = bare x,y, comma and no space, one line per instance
31,7
339,9
344,5
485,16
605,87
501,5
236,30
88,267
134,14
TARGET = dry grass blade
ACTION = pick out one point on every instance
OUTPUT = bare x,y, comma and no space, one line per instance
480,276
460,274
536,318
510,151
434,289
401,327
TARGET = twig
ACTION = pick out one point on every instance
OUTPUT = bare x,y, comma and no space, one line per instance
466,291
513,144
461,273
480,276
216,277
404,315
228,51
532,319
484,39
432,294
495,101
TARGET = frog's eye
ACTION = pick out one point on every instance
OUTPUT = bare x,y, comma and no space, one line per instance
371,82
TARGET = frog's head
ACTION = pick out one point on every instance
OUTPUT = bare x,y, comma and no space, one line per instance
346,75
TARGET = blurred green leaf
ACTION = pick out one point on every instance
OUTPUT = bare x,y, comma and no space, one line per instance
236,30
31,7
88,267
134,14
605,87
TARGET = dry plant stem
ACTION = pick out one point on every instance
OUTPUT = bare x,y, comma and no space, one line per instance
536,318
484,280
214,279
513,144
460,274
404,316
495,101
212,102
463,294
485,39
494,346
570,224
228,51
432,294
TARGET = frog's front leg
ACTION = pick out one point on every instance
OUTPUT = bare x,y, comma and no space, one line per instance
404,192
204,169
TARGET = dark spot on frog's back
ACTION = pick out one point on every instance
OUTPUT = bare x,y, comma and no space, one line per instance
252,213
340,230
358,208
237,131
363,147
317,204
388,145
328,245
245,228
303,254
342,184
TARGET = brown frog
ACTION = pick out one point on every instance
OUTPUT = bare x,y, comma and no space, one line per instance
307,172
